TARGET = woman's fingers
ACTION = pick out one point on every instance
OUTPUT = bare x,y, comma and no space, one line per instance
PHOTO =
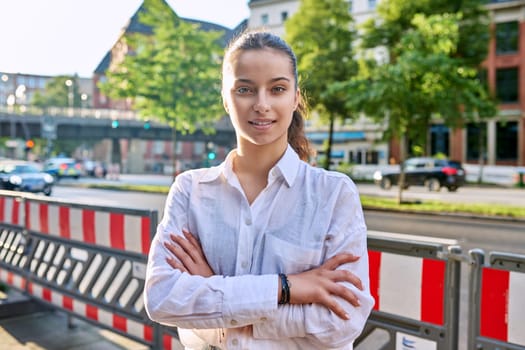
338,260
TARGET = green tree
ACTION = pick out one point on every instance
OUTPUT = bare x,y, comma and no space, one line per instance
321,33
433,54
172,73
60,91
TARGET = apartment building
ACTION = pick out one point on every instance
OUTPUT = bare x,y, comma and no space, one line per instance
502,137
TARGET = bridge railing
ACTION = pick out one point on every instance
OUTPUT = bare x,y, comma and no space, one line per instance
97,113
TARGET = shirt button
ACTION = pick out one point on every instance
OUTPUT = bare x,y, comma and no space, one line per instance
248,221
244,264
235,342
233,322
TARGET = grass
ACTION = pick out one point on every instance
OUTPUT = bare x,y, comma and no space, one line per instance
498,210
373,202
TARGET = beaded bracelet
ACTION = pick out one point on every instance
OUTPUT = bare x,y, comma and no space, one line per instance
285,289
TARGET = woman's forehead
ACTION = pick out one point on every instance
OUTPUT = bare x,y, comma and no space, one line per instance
258,61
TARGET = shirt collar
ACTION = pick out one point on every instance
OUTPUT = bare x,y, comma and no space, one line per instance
287,167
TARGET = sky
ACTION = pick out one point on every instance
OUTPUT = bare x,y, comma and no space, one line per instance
66,37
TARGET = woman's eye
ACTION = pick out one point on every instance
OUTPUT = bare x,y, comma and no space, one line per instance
278,89
243,90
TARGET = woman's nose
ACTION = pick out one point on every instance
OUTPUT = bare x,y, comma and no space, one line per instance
262,104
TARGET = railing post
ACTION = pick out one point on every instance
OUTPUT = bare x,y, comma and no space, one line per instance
477,260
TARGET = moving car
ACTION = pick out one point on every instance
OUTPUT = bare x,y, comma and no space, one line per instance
63,167
19,175
434,173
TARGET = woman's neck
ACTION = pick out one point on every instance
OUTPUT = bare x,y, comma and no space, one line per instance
257,160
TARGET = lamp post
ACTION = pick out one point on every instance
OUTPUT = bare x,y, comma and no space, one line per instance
5,79
69,84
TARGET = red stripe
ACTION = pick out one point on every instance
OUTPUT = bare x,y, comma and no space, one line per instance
67,302
2,209
43,211
10,278
120,323
166,342
374,262
148,333
494,298
23,284
30,288
116,230
63,222
88,226
92,312
145,234
16,212
46,294
433,292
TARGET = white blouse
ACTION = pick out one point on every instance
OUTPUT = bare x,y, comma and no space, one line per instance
304,216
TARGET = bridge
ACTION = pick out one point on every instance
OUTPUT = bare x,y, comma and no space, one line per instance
28,122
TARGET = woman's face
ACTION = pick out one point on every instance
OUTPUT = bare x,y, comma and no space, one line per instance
260,96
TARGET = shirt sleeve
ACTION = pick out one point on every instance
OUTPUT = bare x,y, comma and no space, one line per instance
179,299
347,233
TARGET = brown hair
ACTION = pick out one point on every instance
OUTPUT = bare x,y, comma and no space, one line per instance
259,40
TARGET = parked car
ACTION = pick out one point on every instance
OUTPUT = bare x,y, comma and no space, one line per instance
19,175
432,173
63,168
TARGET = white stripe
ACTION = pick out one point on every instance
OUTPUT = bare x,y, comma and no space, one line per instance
75,224
34,217
38,291
102,234
135,328
17,281
132,233
105,317
52,220
79,307
56,299
516,311
8,210
400,285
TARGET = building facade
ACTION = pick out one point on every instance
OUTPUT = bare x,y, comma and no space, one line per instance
498,141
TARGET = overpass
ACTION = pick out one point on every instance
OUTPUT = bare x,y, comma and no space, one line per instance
28,122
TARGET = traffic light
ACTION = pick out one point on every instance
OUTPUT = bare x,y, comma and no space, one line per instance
212,155
147,125
210,151
29,145
114,124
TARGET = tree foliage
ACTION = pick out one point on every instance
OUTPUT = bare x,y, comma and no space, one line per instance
321,33
171,74
431,70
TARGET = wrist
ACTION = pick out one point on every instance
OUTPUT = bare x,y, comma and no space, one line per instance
284,289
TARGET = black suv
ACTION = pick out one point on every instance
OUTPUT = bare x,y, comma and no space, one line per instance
432,173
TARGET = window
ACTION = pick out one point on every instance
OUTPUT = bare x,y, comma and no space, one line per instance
507,85
350,5
476,140
372,4
507,141
507,35
284,16
439,139
264,19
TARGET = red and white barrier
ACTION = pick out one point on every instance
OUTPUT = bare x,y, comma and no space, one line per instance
503,305
11,212
12,279
408,286
112,320
103,228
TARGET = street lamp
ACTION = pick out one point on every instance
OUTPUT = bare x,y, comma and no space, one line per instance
69,84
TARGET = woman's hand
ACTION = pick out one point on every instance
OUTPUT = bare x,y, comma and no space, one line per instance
319,285
189,253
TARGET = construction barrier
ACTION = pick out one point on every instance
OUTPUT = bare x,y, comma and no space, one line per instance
90,261
415,284
496,293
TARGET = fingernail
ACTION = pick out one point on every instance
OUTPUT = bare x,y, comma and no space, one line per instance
347,316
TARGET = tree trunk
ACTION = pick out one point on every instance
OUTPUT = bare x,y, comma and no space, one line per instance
328,152
402,155
174,141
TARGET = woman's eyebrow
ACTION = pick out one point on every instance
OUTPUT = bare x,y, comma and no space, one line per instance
273,80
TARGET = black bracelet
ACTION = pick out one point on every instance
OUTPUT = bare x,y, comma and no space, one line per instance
285,289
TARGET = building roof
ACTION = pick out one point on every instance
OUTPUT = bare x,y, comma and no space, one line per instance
135,26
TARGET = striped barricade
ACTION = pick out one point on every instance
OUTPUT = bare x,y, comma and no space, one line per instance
90,261
13,241
414,281
497,313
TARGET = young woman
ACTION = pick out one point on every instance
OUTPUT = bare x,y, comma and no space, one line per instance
263,251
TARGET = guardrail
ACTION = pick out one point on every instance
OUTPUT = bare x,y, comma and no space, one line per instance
89,261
